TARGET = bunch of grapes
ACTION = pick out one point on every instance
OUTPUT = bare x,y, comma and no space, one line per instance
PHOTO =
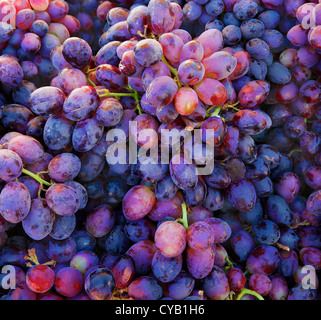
75,225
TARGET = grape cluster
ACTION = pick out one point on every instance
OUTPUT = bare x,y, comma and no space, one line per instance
75,225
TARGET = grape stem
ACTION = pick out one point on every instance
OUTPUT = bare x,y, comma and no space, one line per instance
232,106
135,93
215,113
251,292
293,151
33,259
90,70
115,94
91,83
183,220
36,177
229,263
172,69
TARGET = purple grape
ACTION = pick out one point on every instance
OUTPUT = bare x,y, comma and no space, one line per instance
40,220
145,288
216,285
166,269
170,239
142,253
62,199
100,221
263,259
15,202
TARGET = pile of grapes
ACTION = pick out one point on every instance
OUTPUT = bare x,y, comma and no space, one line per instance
245,74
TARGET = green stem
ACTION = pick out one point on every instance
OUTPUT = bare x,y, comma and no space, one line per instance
232,107
135,93
36,177
90,70
90,82
116,94
293,151
214,113
184,220
251,292
229,263
172,69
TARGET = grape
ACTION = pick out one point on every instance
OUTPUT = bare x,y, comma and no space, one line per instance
117,32
110,76
216,285
211,92
11,73
191,50
57,132
63,227
12,210
91,166
81,103
181,287
68,282
70,79
249,121
84,240
64,167
266,232
263,259
184,174
137,19
161,17
279,288
25,18
186,101
145,288
288,186
288,263
109,112
161,91
62,199
123,271
10,165
260,283
100,221
219,65
241,195
22,292
83,261
170,239
200,235
86,134
220,229
191,71
61,250
117,241
166,208
166,269
309,236
142,253
236,279
172,46
133,207
40,220
40,278
76,51
214,199
100,284
47,100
